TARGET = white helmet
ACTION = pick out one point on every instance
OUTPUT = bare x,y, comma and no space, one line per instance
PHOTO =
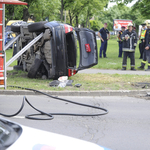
130,24
147,22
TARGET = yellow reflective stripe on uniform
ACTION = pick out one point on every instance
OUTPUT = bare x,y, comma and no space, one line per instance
143,34
144,62
148,64
119,36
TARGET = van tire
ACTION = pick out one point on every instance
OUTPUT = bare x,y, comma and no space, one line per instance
34,68
15,28
37,27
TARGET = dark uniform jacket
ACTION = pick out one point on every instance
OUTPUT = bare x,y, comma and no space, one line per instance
104,33
120,33
130,44
147,38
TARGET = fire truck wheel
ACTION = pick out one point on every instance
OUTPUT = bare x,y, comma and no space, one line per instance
34,69
37,27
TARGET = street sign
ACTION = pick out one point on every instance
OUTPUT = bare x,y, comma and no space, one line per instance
120,22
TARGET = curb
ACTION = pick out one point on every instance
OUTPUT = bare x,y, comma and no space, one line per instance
78,93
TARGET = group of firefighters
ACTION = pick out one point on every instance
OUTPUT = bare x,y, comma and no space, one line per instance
127,44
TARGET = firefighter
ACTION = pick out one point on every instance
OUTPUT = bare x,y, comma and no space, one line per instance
129,38
147,44
120,41
142,40
143,35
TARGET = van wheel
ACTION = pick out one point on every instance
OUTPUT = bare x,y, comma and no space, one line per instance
37,27
15,28
34,69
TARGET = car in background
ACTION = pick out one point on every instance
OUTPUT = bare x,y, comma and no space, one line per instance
112,33
97,34
8,37
14,136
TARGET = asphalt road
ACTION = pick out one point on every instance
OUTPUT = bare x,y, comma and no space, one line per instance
126,127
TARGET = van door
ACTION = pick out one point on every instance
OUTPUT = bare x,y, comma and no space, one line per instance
88,48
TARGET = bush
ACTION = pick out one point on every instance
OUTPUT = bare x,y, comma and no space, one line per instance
95,25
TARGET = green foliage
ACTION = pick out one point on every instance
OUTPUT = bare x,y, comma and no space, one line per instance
14,12
113,62
121,11
81,11
95,25
45,8
143,6
92,8
40,10
121,1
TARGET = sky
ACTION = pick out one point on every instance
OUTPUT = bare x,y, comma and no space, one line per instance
129,5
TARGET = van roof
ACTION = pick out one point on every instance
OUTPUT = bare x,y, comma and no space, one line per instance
12,21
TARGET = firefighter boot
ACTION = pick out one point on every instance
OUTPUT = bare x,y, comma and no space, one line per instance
148,69
133,69
141,67
123,68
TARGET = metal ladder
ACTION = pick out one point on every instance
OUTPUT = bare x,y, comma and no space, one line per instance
3,48
15,56
3,71
2,52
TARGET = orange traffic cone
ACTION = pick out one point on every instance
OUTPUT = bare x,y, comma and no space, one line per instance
1,68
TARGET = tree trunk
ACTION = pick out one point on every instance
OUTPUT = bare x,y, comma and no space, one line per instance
76,21
26,14
87,18
70,18
89,23
62,7
42,15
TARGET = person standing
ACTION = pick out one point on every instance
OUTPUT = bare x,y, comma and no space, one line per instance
142,40
147,44
120,41
129,38
143,63
104,36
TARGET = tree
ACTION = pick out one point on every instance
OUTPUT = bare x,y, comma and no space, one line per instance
121,12
45,8
19,12
91,9
40,10
121,1
143,6
95,24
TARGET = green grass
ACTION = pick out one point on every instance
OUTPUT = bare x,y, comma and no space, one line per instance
9,54
113,62
90,82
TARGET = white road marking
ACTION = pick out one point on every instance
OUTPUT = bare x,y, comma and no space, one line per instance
19,117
